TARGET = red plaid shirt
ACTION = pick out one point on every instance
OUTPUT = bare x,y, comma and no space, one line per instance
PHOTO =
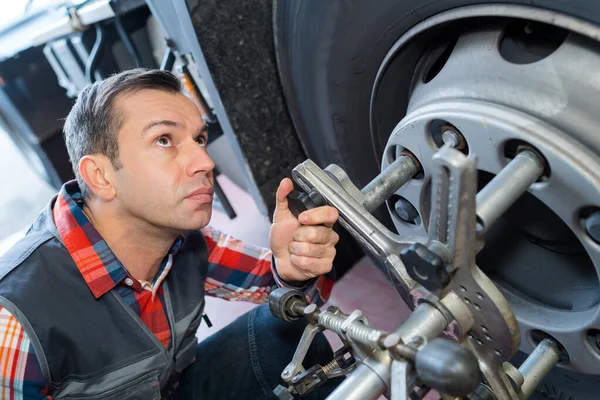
236,271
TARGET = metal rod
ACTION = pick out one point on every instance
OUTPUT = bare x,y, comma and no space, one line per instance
168,60
514,180
372,378
426,321
127,42
224,199
362,384
539,363
389,181
95,55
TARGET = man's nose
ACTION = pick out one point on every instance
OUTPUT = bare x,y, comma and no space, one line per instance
198,160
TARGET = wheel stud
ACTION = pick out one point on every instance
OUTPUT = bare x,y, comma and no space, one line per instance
453,138
406,211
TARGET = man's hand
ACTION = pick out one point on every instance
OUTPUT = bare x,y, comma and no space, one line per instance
305,247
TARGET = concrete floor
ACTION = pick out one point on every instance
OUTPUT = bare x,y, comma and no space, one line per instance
22,192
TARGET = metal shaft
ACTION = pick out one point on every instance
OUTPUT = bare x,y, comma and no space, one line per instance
363,384
539,363
389,181
426,321
372,378
514,180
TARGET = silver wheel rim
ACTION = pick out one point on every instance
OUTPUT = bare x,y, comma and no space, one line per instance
498,101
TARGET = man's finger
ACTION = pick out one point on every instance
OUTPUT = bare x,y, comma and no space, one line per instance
307,249
281,205
324,215
311,266
316,235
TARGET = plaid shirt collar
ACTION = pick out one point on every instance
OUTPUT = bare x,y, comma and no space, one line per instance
100,268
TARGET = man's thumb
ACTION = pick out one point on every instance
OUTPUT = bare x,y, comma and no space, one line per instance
281,205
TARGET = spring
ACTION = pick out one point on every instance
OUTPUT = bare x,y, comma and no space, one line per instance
357,331
327,369
331,322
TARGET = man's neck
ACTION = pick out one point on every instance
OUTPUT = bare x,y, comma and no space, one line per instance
141,249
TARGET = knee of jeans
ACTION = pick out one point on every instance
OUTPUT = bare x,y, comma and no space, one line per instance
289,330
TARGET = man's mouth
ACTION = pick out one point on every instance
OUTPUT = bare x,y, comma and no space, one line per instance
202,195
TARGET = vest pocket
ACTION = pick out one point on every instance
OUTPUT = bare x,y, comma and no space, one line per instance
146,387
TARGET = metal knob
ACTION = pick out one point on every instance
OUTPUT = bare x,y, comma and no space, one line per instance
283,303
448,367
425,267
300,201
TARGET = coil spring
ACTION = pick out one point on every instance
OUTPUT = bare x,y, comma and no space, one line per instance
356,331
330,367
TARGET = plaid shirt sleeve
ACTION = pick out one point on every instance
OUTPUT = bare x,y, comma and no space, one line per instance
20,373
238,271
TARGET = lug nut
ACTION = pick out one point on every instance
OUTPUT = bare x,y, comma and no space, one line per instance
453,137
406,211
592,226
450,138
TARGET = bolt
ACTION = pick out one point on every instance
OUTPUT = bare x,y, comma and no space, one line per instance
406,211
311,308
452,138
392,340
592,226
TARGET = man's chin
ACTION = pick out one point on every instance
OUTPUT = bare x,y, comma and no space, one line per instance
197,222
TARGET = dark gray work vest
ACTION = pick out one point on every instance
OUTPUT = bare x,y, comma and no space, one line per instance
99,348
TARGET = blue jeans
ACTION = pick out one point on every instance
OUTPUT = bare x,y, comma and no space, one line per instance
246,358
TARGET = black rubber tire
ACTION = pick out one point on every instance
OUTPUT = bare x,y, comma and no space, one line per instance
328,54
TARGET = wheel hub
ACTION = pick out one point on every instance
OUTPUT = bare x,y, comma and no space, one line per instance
498,92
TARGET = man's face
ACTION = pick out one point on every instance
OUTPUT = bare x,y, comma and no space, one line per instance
166,179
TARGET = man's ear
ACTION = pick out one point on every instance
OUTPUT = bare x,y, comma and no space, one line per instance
96,170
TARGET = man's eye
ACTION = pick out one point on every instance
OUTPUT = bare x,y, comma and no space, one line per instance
201,140
164,141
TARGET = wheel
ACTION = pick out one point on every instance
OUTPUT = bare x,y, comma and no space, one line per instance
366,80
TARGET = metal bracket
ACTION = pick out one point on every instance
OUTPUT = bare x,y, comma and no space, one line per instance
494,336
295,366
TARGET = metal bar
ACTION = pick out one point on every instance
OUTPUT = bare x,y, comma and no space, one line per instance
168,60
224,200
88,14
514,180
426,321
69,62
205,109
539,363
362,384
389,181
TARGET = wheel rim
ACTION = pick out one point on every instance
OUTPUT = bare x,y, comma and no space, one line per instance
496,96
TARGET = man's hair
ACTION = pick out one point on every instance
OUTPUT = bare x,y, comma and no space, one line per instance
93,123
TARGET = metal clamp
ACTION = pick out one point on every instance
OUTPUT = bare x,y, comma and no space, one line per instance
295,366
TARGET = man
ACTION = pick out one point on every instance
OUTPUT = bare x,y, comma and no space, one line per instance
103,296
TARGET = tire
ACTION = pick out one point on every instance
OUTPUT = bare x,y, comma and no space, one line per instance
329,54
